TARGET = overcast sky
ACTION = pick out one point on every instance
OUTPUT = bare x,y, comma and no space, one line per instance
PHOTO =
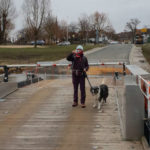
118,11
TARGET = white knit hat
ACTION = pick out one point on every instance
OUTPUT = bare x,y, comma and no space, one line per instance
79,47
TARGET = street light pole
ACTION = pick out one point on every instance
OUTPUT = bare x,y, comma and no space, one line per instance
67,32
97,36
67,29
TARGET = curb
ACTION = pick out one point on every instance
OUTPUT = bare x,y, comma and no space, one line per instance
131,54
94,50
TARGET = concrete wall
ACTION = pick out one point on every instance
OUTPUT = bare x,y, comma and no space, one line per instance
133,108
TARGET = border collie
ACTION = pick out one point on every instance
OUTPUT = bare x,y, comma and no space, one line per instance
101,94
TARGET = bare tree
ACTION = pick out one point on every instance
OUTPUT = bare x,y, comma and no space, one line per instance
110,31
73,27
73,31
63,34
24,35
84,26
132,26
51,28
7,13
99,22
35,13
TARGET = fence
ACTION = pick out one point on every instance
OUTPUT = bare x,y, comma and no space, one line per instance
111,70
144,84
94,69
51,70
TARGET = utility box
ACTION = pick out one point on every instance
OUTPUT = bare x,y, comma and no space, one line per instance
134,110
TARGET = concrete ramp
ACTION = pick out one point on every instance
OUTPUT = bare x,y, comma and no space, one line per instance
7,88
45,120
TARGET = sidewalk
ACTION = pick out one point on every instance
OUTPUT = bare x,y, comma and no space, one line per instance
137,58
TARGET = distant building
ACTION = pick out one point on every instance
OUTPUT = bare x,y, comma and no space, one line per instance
142,35
124,37
102,39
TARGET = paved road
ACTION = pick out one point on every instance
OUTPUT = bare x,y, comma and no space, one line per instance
111,53
117,52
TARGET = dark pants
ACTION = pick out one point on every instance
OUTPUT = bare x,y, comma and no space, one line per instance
79,80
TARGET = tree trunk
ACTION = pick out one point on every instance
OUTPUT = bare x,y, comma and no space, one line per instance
133,37
4,22
35,39
35,43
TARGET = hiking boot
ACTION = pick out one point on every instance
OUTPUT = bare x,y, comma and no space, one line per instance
74,104
83,105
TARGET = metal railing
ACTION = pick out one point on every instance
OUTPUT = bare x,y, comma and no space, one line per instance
145,89
94,69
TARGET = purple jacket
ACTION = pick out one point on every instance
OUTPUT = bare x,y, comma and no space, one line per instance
78,63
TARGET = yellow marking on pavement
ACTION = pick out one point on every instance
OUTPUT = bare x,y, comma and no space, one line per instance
104,70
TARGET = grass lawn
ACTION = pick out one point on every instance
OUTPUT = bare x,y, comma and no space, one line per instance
146,51
32,55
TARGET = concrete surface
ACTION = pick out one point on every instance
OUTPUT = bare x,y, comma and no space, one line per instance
40,117
145,144
7,88
134,110
136,70
116,52
130,108
111,53
137,58
94,50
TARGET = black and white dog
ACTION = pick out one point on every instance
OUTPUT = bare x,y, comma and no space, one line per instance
100,93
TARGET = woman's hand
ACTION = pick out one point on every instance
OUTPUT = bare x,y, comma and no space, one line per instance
74,51
85,69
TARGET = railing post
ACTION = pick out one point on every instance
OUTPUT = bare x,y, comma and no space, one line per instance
148,94
45,73
5,74
124,69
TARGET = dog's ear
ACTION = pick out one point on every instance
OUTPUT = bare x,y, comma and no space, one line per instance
91,90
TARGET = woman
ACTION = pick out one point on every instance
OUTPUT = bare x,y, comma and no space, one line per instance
79,66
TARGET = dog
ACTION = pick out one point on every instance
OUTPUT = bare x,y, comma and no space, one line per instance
100,93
